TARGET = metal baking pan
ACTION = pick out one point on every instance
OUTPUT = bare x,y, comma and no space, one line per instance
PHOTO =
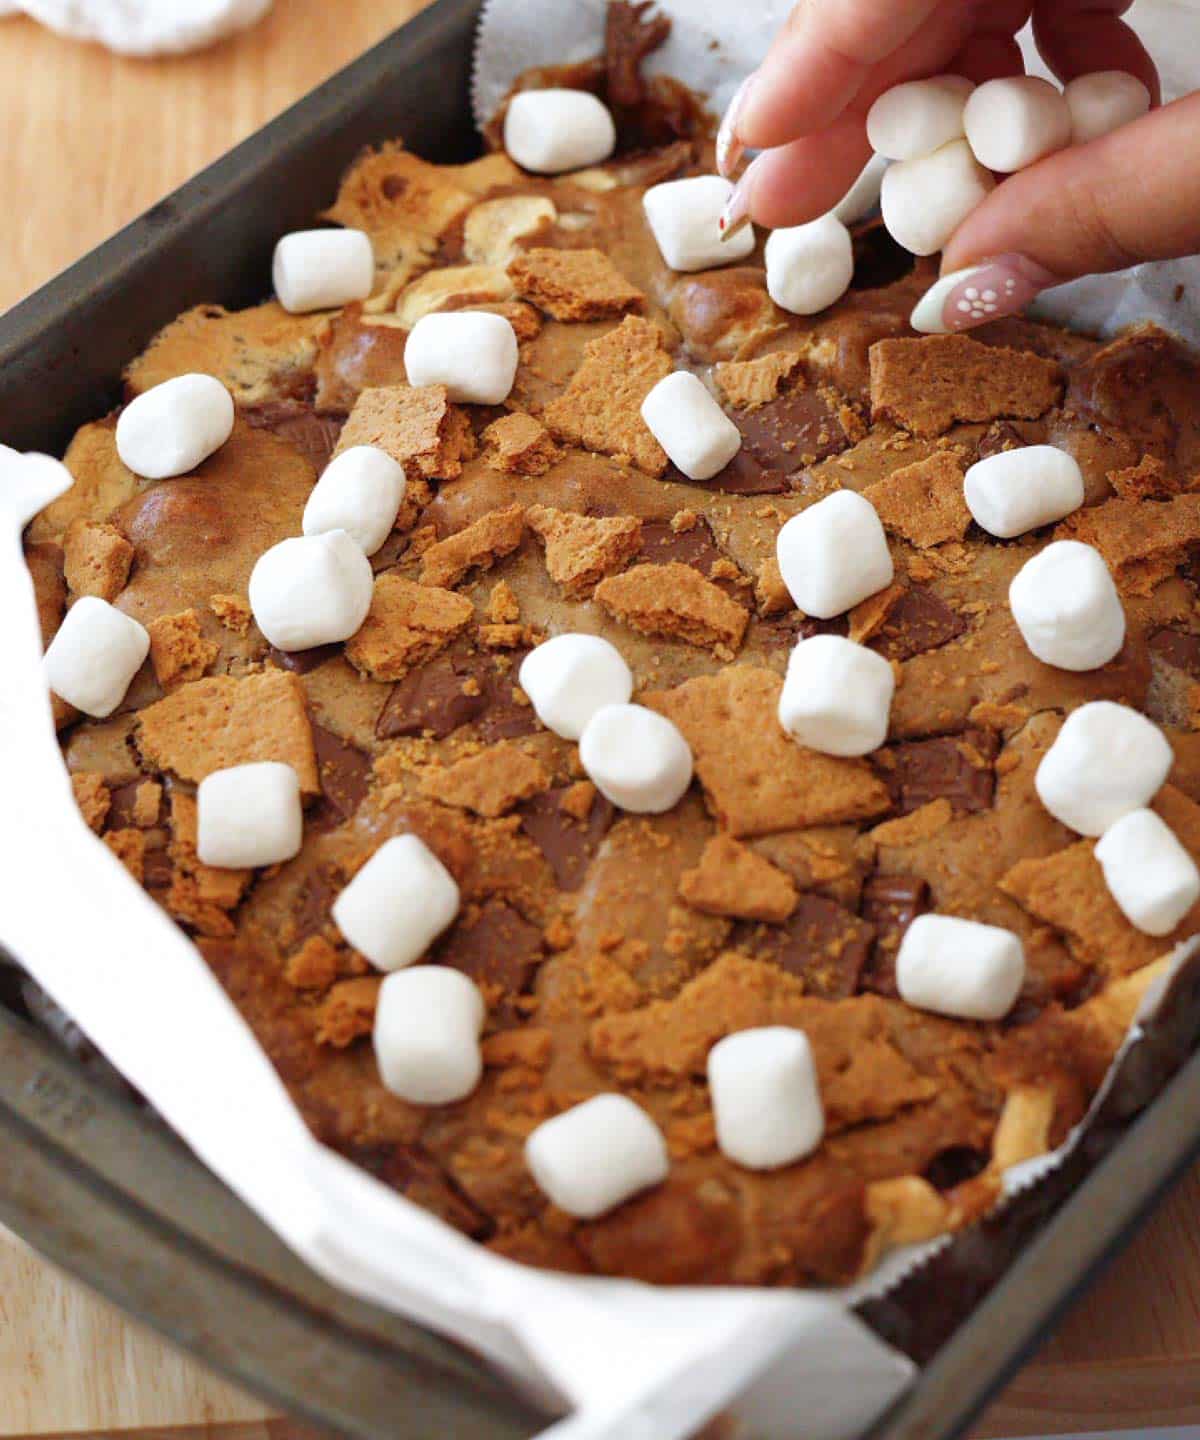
98,1185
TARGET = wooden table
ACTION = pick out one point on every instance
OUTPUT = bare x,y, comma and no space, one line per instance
90,141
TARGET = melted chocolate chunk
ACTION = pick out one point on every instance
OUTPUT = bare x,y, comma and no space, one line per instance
695,547
958,768
569,845
890,903
785,630
345,773
1000,435
1179,649
800,428
955,1166
506,717
411,1171
878,260
122,800
311,912
302,661
744,475
917,622
439,697
498,948
822,943
315,436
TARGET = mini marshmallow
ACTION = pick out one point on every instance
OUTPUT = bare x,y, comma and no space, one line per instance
834,554
863,196
427,1024
322,269
684,218
1148,872
1106,761
765,1096
95,654
960,967
591,1158
918,117
360,492
311,590
1014,491
552,131
1103,101
837,696
173,427
1013,121
471,352
636,758
1067,607
569,677
809,266
248,815
924,201
687,422
397,904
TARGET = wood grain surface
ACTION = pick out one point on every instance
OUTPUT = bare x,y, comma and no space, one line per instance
90,141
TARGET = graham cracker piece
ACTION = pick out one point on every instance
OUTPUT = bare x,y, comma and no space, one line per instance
519,445
530,1047
677,602
758,781
1149,479
926,384
224,720
314,966
129,846
200,895
406,625
918,825
747,384
771,595
477,547
503,607
581,549
93,798
574,284
601,408
233,611
347,1013
416,425
489,783
178,650
147,804
1141,542
732,880
924,502
869,616
96,559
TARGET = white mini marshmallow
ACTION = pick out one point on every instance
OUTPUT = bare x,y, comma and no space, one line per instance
397,904
1104,101
918,117
552,131
173,427
311,590
1013,121
593,1157
636,758
1148,872
1014,491
427,1024
248,815
837,696
1106,761
924,201
471,352
360,492
1067,607
321,269
687,422
684,217
834,554
863,196
960,967
809,266
765,1096
569,677
95,654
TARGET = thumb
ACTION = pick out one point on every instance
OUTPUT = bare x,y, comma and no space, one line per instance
1129,196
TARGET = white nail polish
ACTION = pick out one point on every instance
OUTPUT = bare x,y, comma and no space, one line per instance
927,317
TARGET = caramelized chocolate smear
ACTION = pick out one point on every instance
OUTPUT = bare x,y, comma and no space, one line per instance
569,845
958,768
917,622
315,436
822,943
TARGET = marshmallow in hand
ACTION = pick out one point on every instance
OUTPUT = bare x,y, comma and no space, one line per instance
1014,491
1148,872
552,131
360,492
569,677
1014,121
311,590
172,428
322,269
473,353
765,1096
1105,761
834,554
248,815
636,758
918,117
1103,101
1067,607
925,200
809,266
397,904
95,654
837,696
691,427
427,1024
684,217
960,967
591,1158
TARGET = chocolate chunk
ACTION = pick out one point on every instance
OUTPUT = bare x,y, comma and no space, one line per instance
787,629
455,690
300,662
411,1171
569,845
1179,649
917,622
958,768
315,436
345,773
506,717
799,428
890,903
824,944
878,260
310,914
496,946
955,1166
744,475
1000,435
661,545
121,805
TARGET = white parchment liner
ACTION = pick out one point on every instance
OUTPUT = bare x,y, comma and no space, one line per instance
626,1361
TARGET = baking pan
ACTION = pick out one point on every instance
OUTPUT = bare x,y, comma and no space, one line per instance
92,1180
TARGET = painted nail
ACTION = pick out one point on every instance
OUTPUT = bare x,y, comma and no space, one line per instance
988,291
730,149
736,214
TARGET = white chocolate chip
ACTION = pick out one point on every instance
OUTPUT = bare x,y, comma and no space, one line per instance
834,554
918,117
1148,872
765,1096
397,904
1016,120
552,131
591,1158
95,654
837,696
684,217
471,352
249,815
569,677
809,266
636,758
427,1024
322,269
172,428
863,196
360,492
311,590
687,422
924,201
1015,491
1067,607
1105,761
960,967
1104,101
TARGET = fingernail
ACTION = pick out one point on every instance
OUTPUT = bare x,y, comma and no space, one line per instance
736,214
729,148
989,291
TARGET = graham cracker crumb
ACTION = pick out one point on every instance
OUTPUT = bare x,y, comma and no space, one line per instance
416,425
677,602
531,1047
129,846
479,546
580,549
489,783
869,616
520,445
92,797
233,611
1149,479
732,880
509,636
771,595
96,559
577,800
178,649
314,966
574,284
347,1013
503,607
924,501
747,384
406,625
147,804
